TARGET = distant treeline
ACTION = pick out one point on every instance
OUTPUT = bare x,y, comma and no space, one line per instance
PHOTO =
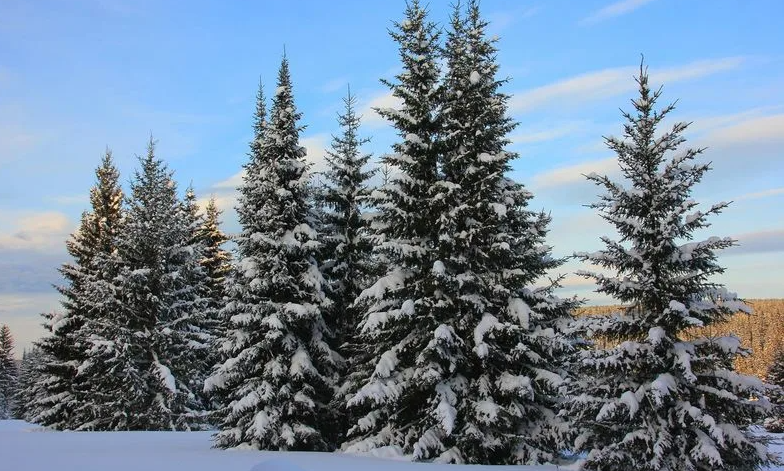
762,331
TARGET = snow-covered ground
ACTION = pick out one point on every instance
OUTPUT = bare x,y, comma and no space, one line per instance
25,447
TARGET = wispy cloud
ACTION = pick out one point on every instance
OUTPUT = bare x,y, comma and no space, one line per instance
500,20
611,82
761,194
38,231
334,85
759,242
613,10
371,119
550,133
759,130
574,173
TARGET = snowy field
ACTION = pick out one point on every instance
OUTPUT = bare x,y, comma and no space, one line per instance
25,447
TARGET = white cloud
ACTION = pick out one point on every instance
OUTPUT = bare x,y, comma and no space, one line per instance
39,231
613,10
371,119
759,242
316,151
501,20
611,82
575,173
703,124
231,183
334,85
535,135
761,194
764,129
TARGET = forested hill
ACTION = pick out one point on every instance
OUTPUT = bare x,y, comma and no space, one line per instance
762,331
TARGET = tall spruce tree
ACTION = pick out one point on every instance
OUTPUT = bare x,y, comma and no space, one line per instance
8,373
280,368
192,355
220,397
64,400
348,265
216,262
403,324
655,400
142,358
775,379
499,404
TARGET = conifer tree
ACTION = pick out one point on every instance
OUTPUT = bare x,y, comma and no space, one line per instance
142,358
655,400
28,385
216,262
280,368
64,400
249,199
8,373
507,334
775,378
402,323
346,253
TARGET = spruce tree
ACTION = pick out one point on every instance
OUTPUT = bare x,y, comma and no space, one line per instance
279,374
28,385
347,258
64,401
8,373
249,199
193,310
655,400
402,326
216,263
145,357
500,400
775,379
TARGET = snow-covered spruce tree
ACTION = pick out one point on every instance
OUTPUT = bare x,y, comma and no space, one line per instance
216,262
28,384
280,368
8,373
348,264
142,357
403,323
496,401
249,199
65,401
775,379
346,245
657,401
192,356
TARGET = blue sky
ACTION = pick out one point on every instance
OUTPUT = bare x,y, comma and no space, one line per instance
77,76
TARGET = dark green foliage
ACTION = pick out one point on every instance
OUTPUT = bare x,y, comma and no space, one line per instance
658,401
64,399
8,373
278,377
